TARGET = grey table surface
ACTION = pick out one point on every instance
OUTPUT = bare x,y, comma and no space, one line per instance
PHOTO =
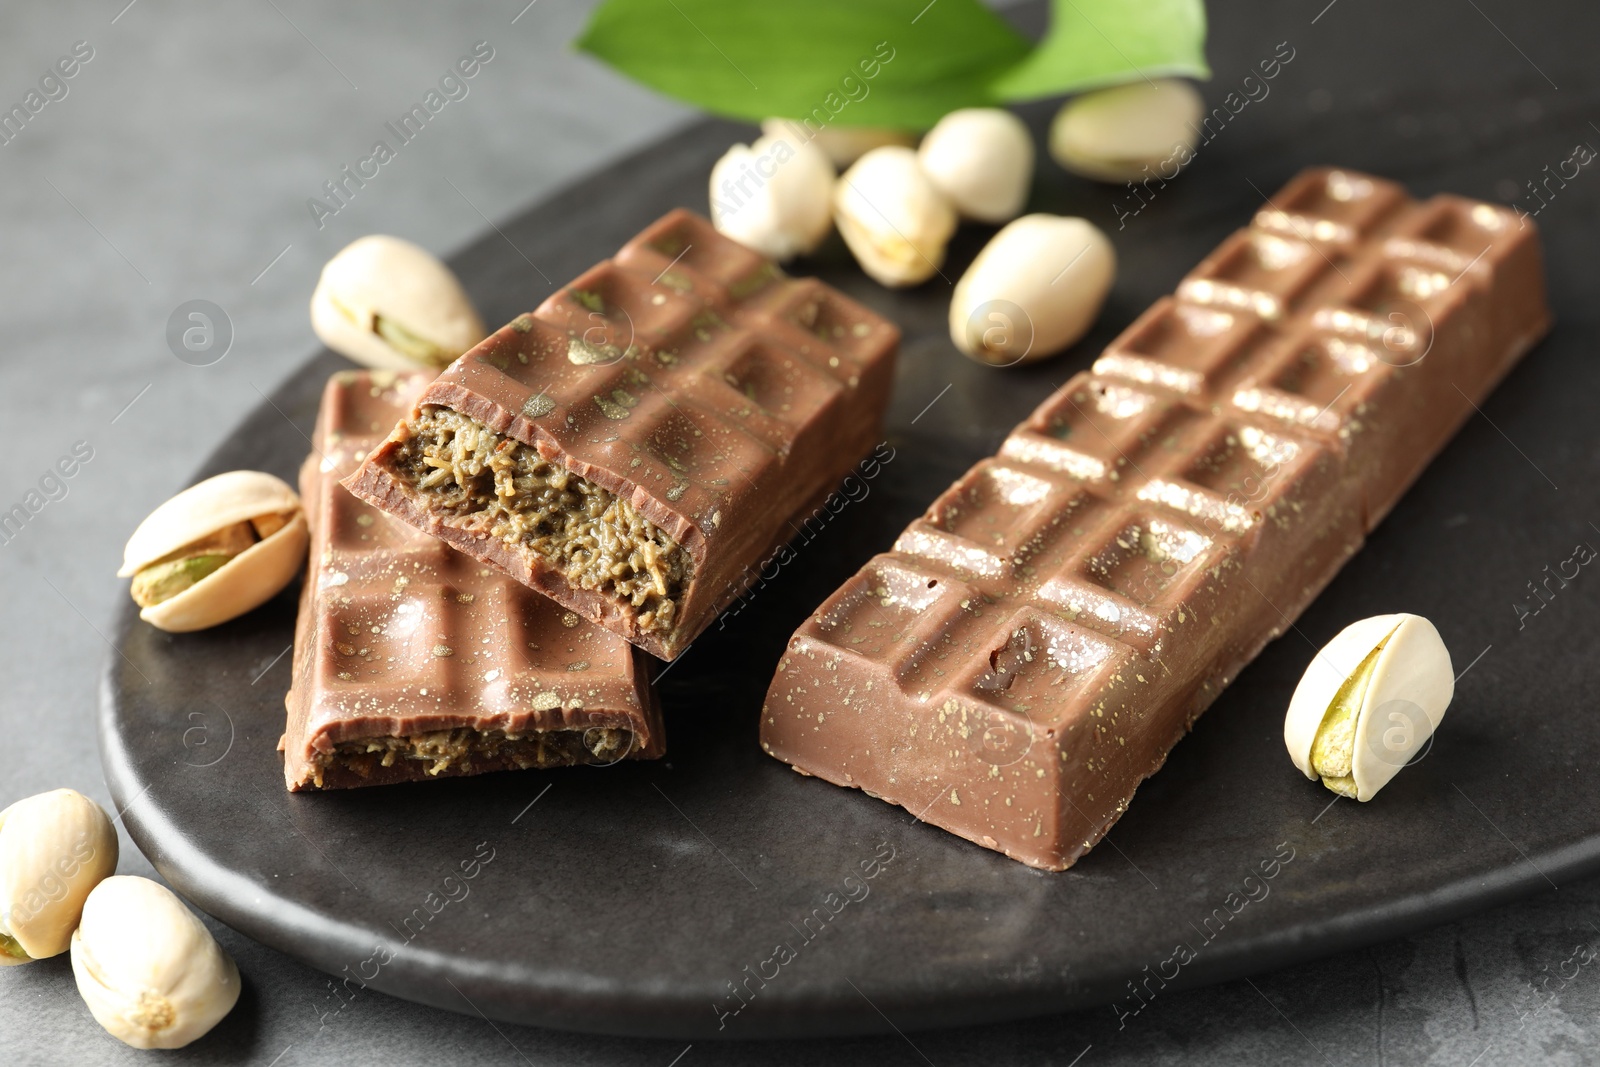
177,167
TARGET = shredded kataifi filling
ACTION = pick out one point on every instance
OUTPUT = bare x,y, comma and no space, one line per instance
475,479
459,748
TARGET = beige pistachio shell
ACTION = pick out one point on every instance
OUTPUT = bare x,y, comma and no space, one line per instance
54,848
149,970
895,221
243,584
843,145
387,277
1114,135
205,508
1375,694
774,195
981,159
1036,287
247,580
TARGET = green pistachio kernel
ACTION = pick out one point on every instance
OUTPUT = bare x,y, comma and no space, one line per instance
409,344
9,947
163,581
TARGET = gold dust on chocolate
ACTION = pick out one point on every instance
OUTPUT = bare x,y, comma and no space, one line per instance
413,661
637,445
1032,647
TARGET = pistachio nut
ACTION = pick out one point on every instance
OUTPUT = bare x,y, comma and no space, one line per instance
149,970
775,196
894,220
981,159
54,848
843,145
1036,287
386,303
215,551
1368,703
1133,132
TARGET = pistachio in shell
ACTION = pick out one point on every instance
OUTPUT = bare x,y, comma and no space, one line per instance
55,848
1368,703
215,551
386,303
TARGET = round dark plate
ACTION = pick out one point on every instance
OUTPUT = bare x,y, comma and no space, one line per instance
704,895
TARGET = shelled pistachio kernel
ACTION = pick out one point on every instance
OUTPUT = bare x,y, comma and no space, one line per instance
54,848
387,303
149,970
215,551
1368,703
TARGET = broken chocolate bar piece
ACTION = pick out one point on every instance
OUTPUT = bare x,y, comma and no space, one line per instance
637,445
1032,647
413,661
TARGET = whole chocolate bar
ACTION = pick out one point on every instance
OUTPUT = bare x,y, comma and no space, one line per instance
414,661
638,444
1032,647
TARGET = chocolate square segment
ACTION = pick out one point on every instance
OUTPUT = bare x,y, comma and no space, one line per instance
636,446
1033,646
414,661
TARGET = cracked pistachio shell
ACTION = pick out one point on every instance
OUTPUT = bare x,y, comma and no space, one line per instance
1036,287
1369,702
775,196
149,970
894,220
246,581
843,145
54,848
981,159
1113,135
386,303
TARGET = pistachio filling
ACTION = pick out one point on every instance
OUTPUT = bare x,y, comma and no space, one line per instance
460,747
475,479
1333,749
177,571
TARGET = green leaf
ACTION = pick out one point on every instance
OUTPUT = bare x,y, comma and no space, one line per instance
1095,43
895,63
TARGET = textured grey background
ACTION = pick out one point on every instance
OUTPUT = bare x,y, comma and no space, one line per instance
177,168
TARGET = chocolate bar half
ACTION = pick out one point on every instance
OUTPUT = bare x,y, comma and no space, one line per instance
636,446
1034,645
414,661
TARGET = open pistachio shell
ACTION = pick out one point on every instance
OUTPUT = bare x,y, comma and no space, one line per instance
892,217
245,581
386,303
54,848
149,970
1369,702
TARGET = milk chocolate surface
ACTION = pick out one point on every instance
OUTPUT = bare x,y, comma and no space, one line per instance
633,448
1035,644
414,661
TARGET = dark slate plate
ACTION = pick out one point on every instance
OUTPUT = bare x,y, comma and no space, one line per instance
633,899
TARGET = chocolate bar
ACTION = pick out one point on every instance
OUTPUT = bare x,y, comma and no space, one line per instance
413,661
634,447
1036,643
